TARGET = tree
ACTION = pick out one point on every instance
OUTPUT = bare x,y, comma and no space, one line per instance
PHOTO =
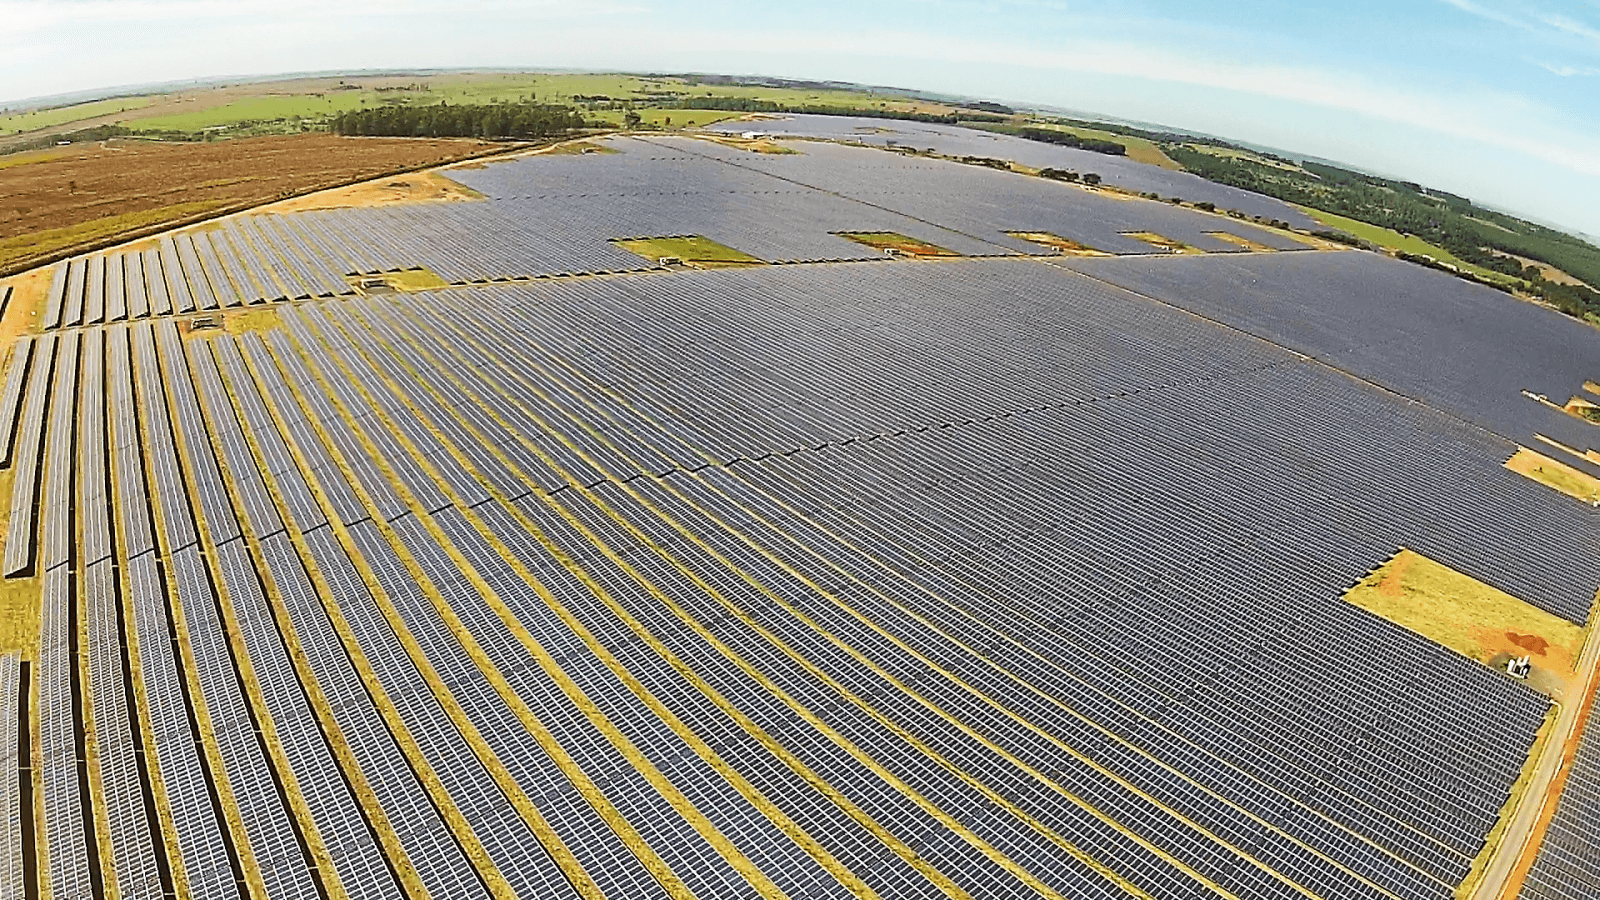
1091,178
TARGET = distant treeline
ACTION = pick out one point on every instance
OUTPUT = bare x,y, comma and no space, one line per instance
750,104
1471,233
1068,139
97,133
495,120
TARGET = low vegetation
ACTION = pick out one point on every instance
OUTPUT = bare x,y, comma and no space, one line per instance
693,250
1451,231
1058,243
899,243
1162,242
756,105
1555,474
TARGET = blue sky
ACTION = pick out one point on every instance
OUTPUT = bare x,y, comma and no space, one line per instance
1495,99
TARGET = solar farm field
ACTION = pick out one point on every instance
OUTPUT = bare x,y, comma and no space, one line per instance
454,550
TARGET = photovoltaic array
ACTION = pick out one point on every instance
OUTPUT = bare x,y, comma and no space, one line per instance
970,578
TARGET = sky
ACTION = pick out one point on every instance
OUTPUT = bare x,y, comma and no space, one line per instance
1498,100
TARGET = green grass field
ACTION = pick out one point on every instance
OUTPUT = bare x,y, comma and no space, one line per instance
1390,239
269,108
288,106
49,118
701,252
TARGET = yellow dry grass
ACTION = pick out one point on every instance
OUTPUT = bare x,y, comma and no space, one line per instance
27,298
1161,241
418,279
19,597
1464,614
1063,245
1554,474
263,319
1237,241
694,250
42,243
416,187
755,145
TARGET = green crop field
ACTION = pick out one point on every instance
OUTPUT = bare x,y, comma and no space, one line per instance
49,118
257,109
1390,239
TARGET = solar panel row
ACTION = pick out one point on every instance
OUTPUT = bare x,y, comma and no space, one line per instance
13,881
977,578
781,209
1568,865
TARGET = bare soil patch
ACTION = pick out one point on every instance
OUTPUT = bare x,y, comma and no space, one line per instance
1470,617
415,187
1065,246
65,203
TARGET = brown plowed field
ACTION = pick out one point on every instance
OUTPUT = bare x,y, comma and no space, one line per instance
74,198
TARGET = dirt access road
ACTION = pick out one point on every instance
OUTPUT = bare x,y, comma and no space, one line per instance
1502,880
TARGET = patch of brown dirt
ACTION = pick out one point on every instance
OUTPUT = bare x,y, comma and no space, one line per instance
1532,643
1394,579
127,177
416,187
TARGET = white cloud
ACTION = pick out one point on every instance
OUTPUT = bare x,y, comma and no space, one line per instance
1478,116
41,15
1566,71
1493,15
1572,27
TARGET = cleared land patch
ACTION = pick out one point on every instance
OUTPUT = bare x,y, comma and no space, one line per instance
415,187
1464,614
1059,243
894,241
753,145
691,249
1555,474
1236,240
1161,241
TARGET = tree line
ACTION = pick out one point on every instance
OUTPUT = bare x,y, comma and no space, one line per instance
496,120
1475,235
751,104
1068,139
